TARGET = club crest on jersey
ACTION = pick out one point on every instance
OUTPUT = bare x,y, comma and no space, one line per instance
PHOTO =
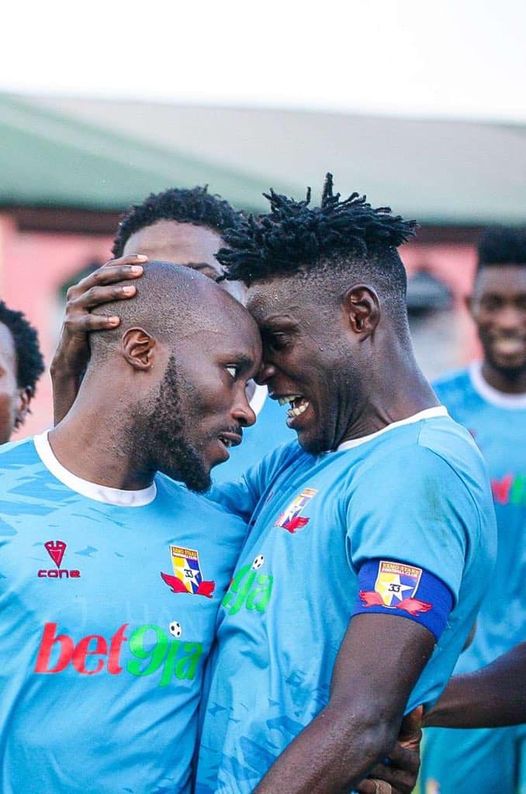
291,519
187,576
395,588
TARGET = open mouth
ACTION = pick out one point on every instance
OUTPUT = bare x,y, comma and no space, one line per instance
230,439
298,405
509,346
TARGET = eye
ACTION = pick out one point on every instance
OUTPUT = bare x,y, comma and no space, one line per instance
232,370
277,341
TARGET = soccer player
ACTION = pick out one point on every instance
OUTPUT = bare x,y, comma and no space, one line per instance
489,398
110,574
185,227
371,539
21,365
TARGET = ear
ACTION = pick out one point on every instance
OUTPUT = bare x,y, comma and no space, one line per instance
362,308
138,348
23,401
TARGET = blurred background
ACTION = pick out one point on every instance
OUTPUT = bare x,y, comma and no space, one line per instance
419,105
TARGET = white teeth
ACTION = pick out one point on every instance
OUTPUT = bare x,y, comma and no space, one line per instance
289,398
226,441
299,410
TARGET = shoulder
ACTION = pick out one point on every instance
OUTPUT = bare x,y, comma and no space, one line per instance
450,382
16,454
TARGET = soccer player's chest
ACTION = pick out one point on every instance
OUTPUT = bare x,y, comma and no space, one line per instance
86,598
294,562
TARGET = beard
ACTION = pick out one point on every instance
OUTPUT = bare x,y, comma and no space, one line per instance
162,438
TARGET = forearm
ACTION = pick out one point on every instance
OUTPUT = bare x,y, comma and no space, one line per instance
487,698
332,754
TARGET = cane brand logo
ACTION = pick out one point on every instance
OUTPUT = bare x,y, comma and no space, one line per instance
187,573
56,550
149,648
291,519
249,588
509,490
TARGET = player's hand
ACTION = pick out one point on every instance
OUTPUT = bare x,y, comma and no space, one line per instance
72,354
400,776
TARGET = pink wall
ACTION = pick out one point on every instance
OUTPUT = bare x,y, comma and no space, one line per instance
34,265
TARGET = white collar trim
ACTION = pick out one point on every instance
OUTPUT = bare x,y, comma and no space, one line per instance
490,393
91,490
427,413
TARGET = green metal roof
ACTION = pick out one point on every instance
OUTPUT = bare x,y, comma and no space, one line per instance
54,160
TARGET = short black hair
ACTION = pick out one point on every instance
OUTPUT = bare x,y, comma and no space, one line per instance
29,361
295,238
502,245
184,205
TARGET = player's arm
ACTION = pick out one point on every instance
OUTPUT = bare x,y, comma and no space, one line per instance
488,698
378,665
72,355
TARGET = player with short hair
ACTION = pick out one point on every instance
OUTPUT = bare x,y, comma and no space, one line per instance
184,226
364,568
21,365
489,398
111,574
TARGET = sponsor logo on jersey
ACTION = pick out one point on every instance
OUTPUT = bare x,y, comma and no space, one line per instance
250,588
291,519
147,650
187,576
56,550
395,588
509,490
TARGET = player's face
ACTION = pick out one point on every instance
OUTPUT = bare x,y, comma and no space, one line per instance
305,363
183,244
498,307
203,405
9,392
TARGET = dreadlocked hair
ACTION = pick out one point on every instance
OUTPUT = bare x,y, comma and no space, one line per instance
502,245
295,237
184,205
29,361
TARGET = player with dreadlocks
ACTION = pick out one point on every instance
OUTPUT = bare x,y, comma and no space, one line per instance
370,539
186,227
21,365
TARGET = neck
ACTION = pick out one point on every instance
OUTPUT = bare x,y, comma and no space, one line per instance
396,390
511,381
97,444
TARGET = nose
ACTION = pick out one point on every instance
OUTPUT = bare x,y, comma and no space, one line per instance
510,318
242,412
266,372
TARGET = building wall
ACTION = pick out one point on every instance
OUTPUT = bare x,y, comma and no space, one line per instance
35,264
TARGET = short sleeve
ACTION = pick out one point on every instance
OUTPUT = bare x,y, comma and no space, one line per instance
413,507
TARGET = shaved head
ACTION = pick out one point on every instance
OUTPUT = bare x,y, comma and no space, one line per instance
172,302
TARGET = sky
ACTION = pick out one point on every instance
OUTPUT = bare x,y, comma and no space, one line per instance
454,58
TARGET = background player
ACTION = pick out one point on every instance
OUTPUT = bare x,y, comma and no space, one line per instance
185,227
21,365
110,576
489,398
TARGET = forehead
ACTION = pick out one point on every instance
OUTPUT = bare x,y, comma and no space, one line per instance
170,241
7,348
501,280
281,298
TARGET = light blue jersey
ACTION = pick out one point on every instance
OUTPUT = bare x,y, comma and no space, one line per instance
487,761
411,501
108,602
269,432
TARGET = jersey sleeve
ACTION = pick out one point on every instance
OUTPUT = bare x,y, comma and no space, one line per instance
243,496
411,523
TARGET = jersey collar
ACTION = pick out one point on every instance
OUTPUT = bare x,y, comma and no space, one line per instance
427,413
492,395
91,490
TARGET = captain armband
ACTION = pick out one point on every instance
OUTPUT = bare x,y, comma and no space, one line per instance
388,587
